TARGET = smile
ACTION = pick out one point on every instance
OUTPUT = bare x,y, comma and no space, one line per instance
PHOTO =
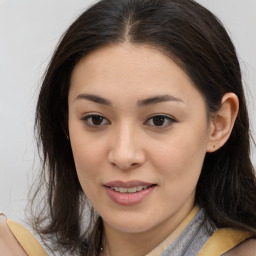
128,193
129,190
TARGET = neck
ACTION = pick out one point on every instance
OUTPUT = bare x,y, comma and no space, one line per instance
124,244
118,243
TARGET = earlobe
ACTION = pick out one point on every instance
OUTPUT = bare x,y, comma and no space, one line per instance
223,121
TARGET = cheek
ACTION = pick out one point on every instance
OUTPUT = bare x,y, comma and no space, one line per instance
179,162
181,153
87,157
86,149
88,154
87,160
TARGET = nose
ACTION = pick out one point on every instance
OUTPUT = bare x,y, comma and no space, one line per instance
126,150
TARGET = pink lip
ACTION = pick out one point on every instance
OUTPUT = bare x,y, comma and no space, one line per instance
128,199
127,184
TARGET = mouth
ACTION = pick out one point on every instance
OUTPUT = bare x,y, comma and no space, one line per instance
130,190
132,186
128,193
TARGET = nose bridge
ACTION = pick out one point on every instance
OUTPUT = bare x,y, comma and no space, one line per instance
126,150
125,135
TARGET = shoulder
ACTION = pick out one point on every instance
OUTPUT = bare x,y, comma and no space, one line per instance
247,248
14,235
229,242
8,243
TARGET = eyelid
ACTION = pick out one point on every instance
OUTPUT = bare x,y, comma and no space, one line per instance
88,116
170,119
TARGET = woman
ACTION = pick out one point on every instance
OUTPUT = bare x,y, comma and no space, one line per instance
143,124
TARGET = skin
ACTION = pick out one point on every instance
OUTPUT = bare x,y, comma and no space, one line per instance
126,144
9,245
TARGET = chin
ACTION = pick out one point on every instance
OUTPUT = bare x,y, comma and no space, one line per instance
130,226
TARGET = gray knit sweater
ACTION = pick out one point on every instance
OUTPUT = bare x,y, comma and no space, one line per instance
192,238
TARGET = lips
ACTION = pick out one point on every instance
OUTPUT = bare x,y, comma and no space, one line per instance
128,184
128,193
129,190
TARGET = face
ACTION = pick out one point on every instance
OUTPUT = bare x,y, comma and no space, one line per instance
139,133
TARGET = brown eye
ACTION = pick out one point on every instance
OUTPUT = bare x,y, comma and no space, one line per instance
95,120
160,121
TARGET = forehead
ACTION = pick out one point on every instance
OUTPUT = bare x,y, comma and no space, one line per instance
130,70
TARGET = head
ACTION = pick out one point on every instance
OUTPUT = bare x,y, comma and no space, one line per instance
176,34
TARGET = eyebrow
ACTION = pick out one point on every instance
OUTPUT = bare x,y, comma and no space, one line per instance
140,103
158,99
94,98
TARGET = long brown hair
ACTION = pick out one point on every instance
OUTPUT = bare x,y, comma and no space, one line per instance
196,40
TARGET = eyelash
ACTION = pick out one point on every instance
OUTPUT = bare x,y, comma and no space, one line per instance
167,120
86,119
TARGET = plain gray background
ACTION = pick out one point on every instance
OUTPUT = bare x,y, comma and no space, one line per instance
29,31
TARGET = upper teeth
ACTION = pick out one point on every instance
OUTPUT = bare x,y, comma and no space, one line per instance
129,190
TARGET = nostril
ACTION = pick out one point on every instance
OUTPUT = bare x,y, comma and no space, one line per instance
124,166
126,157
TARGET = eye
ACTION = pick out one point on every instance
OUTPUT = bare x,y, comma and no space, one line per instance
160,121
95,120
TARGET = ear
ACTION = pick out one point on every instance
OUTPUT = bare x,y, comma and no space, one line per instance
222,122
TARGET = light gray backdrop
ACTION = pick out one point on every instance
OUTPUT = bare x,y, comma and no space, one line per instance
29,31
